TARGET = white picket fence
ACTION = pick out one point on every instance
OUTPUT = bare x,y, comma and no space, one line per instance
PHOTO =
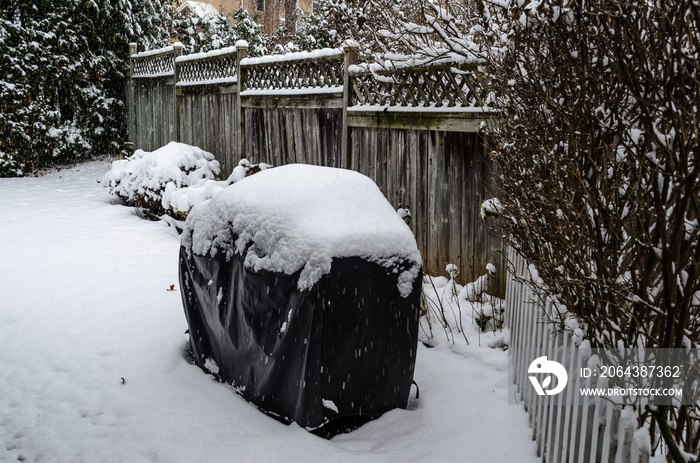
566,427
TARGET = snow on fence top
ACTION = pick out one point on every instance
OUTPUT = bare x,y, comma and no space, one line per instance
300,216
400,62
330,53
453,86
153,53
299,71
222,52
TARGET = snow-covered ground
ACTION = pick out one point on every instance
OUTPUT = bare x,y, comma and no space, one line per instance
92,366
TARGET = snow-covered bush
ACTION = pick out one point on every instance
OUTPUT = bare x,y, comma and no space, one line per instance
598,158
598,164
462,313
141,179
413,31
178,201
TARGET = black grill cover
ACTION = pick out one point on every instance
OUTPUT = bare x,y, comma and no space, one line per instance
344,348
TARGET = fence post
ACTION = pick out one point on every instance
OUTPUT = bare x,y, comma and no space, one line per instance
241,53
129,145
177,51
350,50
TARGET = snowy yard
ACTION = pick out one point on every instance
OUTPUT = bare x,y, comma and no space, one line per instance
93,368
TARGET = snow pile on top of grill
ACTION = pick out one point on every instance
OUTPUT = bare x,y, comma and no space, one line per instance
301,217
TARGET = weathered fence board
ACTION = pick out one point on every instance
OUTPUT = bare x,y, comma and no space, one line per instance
154,118
208,119
293,135
440,177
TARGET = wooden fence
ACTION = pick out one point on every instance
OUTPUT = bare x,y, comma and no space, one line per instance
413,131
566,427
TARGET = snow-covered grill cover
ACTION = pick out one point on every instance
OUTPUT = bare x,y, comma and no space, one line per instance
301,287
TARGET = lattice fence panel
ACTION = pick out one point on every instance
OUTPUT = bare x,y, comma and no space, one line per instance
156,65
306,73
213,68
438,86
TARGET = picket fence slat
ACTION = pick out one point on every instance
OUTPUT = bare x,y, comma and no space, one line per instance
568,427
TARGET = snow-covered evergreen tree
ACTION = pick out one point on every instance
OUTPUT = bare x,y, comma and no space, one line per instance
331,22
202,34
148,22
63,65
249,30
